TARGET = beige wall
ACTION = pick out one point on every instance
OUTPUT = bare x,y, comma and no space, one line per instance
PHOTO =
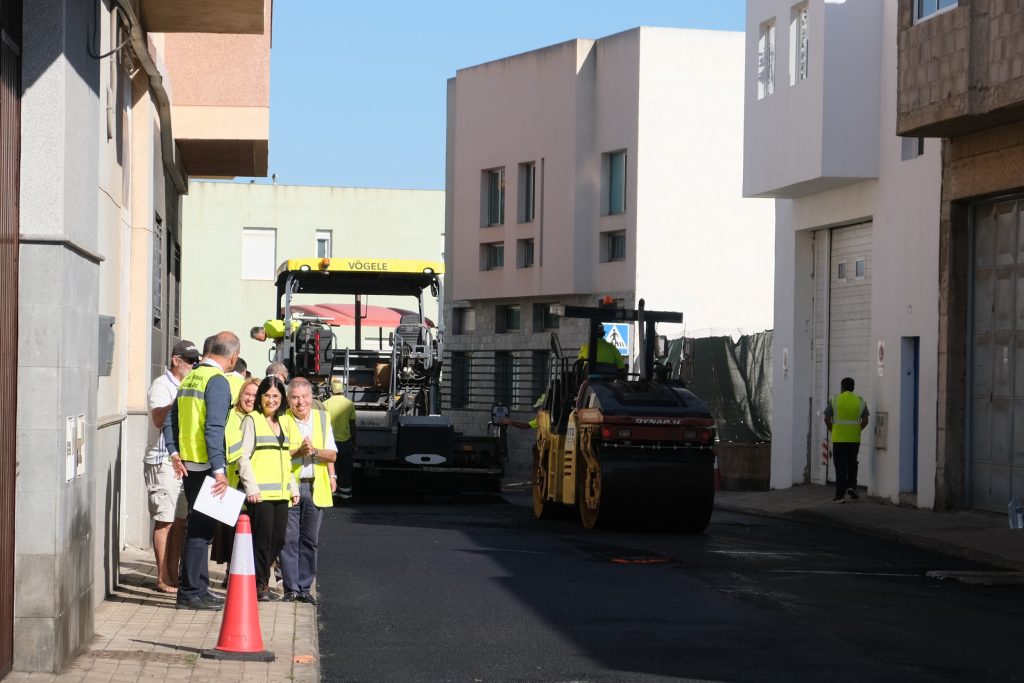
405,224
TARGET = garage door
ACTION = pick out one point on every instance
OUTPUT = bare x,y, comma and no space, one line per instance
996,421
842,328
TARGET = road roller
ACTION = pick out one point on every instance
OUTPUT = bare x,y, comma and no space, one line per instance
626,450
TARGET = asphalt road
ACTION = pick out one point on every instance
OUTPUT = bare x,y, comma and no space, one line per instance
475,589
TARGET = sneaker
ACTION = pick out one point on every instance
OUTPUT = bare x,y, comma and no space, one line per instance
838,499
307,598
289,597
852,493
198,603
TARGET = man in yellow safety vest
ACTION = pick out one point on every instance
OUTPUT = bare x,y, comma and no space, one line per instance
845,416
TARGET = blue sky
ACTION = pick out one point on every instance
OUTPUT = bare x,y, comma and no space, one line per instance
357,89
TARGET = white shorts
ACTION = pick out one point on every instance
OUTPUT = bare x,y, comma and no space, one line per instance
166,495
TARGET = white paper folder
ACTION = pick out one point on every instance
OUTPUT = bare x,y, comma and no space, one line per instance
224,509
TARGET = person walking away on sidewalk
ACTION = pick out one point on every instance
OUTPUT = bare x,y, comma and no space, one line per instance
343,423
195,427
167,505
846,416
309,463
268,437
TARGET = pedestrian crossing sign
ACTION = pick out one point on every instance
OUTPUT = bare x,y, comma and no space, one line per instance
617,334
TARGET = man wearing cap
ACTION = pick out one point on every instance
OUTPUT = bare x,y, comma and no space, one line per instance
343,422
166,504
195,427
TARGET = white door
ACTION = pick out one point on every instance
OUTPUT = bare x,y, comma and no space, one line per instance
842,329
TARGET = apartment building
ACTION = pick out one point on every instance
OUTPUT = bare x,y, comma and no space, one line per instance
961,79
592,168
106,110
243,232
856,241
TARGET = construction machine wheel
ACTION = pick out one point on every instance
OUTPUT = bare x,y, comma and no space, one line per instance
693,514
588,495
541,505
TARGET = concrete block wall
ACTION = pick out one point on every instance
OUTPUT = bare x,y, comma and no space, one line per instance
961,63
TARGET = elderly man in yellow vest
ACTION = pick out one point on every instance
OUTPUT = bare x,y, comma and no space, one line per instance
310,457
194,436
845,416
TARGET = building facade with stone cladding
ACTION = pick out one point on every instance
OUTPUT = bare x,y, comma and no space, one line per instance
593,168
106,148
961,79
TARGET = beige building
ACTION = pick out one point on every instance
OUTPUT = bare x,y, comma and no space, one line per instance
591,168
243,232
107,110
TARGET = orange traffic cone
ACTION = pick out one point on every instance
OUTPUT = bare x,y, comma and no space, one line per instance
240,636
718,476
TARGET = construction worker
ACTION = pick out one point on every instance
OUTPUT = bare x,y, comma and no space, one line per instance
271,329
846,415
310,457
194,436
236,378
519,424
343,422
606,354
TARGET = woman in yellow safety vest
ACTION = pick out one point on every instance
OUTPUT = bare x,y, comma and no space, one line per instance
224,537
267,434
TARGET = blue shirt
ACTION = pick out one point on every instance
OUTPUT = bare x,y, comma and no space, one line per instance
218,403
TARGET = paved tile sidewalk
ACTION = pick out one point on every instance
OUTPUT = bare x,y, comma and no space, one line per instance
141,636
971,534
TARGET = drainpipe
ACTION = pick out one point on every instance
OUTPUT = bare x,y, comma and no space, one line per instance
156,85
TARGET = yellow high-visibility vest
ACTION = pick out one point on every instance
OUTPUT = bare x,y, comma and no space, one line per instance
322,496
271,457
342,411
192,413
606,353
233,444
235,381
847,408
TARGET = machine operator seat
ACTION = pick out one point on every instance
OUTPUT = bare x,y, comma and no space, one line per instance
410,330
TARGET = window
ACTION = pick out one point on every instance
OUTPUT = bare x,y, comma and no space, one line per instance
613,246
505,377
524,253
798,45
841,271
506,318
766,60
543,318
911,148
859,268
463,320
492,255
527,191
259,254
175,286
323,244
926,8
461,364
493,197
614,190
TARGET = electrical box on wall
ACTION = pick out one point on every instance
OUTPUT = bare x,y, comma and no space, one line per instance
106,345
881,431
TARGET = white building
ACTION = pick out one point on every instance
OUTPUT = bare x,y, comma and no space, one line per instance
596,167
856,243
243,232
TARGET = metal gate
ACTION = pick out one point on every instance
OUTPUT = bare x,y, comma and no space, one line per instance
995,443
842,328
10,163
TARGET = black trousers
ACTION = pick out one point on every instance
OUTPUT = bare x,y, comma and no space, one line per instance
269,525
844,458
343,467
194,574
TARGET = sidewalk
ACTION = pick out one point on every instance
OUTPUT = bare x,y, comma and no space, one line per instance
140,635
983,537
